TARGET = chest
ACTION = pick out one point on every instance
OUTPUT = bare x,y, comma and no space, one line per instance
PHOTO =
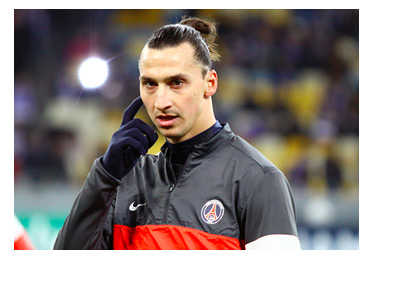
204,197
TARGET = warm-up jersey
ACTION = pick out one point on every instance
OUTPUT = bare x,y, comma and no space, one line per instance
227,195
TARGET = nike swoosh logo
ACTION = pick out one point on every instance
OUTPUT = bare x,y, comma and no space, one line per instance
133,208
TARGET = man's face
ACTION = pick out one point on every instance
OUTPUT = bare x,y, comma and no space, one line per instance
174,91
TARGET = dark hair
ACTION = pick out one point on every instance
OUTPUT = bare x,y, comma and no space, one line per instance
200,33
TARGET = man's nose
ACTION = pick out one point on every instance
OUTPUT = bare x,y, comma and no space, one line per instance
163,100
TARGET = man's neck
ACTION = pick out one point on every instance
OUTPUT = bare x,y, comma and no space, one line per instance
181,150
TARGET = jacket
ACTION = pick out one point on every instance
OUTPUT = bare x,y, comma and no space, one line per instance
227,195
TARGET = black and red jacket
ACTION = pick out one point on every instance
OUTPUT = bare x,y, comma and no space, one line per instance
227,195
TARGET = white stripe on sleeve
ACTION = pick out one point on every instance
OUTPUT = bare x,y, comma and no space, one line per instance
275,242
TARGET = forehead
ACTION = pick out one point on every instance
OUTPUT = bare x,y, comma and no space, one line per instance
168,60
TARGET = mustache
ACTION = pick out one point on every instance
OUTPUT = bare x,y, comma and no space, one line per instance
166,114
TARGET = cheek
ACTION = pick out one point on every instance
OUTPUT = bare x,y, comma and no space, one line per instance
192,107
147,104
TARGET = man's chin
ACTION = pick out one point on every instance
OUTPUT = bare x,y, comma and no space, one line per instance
168,132
171,135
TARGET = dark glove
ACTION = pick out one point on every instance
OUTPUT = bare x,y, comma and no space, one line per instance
132,139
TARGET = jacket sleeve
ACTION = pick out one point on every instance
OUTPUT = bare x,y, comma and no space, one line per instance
89,224
269,209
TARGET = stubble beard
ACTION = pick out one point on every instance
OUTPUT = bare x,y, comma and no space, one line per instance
174,133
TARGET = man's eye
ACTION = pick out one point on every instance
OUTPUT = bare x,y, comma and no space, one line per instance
149,84
177,82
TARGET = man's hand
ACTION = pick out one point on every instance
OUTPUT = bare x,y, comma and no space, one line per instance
132,139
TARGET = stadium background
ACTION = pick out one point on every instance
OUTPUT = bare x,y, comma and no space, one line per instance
288,83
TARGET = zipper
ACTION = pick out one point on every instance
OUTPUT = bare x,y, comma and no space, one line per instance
172,187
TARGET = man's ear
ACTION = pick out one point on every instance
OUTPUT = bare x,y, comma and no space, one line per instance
211,83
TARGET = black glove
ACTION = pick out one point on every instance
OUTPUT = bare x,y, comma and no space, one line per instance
132,139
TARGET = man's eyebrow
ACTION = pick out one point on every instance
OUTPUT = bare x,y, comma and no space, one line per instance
179,75
145,78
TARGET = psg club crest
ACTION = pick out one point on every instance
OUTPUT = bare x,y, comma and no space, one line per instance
212,211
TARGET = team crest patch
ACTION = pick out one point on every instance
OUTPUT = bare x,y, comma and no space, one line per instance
212,211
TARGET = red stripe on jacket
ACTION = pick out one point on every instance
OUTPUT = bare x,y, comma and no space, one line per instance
170,237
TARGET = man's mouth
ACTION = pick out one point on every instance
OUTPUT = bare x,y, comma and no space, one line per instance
166,121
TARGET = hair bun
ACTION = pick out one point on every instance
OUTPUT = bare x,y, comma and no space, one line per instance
208,31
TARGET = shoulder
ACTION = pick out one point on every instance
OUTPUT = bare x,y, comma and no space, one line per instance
249,168
250,155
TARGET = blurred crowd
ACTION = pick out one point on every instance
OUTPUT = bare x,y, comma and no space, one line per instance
288,83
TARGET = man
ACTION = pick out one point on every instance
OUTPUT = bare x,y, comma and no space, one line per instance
206,189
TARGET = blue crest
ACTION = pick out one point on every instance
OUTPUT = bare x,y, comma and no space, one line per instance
212,211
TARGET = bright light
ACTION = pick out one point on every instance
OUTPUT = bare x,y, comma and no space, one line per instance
93,72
